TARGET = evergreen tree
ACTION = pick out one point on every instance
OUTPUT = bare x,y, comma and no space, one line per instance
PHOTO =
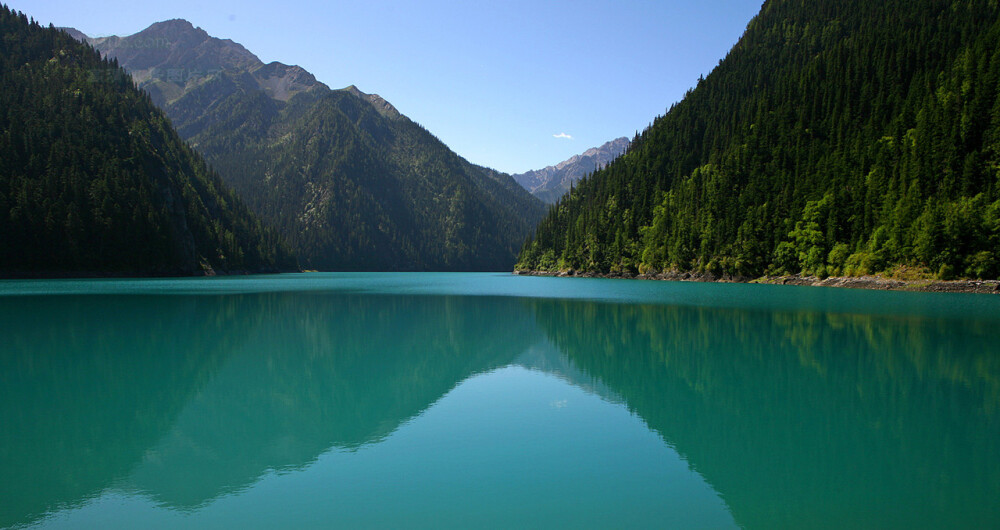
93,179
837,137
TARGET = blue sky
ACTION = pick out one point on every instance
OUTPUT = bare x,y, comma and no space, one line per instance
510,85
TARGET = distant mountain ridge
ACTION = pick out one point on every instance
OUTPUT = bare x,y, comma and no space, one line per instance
552,182
347,179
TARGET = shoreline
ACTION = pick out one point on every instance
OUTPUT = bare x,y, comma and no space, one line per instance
95,275
847,282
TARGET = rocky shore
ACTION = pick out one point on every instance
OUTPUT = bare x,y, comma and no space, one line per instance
859,282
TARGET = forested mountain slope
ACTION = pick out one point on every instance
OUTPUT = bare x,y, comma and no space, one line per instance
350,182
837,137
93,179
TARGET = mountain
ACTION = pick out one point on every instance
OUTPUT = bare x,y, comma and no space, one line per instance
554,181
836,138
171,58
93,179
347,179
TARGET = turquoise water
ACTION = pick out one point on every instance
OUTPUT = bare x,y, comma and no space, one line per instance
488,400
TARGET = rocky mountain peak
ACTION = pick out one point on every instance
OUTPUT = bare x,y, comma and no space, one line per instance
174,26
166,48
552,182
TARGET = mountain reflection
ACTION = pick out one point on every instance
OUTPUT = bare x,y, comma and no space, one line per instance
795,418
89,384
191,397
808,419
325,371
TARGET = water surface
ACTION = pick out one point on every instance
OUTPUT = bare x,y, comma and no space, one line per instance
465,400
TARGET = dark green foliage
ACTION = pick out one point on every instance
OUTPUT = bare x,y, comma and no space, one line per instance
351,187
837,137
93,179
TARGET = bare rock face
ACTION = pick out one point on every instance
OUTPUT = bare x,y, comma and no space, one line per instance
552,182
170,59
281,82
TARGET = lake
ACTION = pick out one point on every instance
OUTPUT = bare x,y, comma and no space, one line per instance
489,400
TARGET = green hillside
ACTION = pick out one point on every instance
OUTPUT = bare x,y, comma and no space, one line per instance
838,137
348,181
353,188
93,179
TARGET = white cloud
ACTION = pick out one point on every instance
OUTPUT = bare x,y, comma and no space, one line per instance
562,135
